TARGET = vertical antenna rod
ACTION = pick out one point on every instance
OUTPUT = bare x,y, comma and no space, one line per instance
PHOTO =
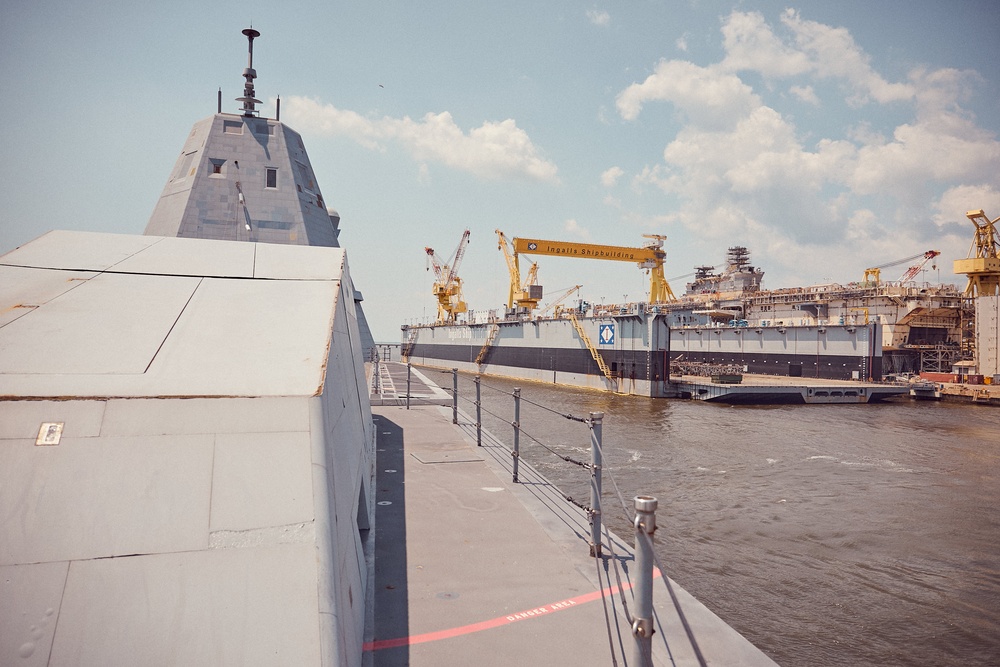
249,74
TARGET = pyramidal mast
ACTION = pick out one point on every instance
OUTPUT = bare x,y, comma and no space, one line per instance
243,177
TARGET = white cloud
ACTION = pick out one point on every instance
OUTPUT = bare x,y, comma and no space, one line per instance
813,48
574,228
609,178
494,150
805,94
739,170
832,52
750,44
955,202
708,96
681,43
598,17
939,150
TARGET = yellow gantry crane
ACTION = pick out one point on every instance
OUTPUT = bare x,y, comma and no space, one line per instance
650,256
983,264
447,285
525,295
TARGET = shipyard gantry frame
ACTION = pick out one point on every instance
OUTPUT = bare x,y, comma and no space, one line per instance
983,289
983,264
650,256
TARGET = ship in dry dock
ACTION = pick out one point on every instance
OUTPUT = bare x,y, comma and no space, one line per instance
724,324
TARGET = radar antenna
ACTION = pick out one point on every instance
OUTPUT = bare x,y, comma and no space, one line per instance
249,74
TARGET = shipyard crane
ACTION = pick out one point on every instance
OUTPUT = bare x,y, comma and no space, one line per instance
983,263
447,286
559,299
525,295
650,256
873,275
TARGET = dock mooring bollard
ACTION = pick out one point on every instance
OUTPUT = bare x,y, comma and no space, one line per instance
596,423
642,625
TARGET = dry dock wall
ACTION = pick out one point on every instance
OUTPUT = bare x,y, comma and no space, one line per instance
552,351
833,352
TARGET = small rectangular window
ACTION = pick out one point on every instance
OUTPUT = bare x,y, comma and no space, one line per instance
272,177
232,126
215,165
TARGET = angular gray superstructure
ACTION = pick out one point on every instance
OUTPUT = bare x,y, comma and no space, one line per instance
187,454
242,177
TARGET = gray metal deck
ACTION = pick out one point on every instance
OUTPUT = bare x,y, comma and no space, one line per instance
471,568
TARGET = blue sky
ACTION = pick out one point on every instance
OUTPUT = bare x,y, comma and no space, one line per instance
825,136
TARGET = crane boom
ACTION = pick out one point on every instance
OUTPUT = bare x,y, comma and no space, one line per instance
650,256
873,275
447,286
525,295
559,299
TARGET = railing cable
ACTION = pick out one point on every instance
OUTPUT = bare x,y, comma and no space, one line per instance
677,605
604,603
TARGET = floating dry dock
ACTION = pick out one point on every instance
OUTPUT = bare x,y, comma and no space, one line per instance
632,351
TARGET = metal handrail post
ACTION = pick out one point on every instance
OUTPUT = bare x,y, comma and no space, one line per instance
479,412
642,624
454,395
407,385
596,423
517,429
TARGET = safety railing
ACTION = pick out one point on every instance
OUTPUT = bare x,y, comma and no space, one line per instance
642,515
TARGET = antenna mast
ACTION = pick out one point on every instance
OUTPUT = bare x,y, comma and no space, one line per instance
249,74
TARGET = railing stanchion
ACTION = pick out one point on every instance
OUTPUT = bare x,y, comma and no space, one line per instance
596,423
454,395
517,429
642,625
479,412
407,385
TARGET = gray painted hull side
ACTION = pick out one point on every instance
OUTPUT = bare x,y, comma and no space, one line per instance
639,350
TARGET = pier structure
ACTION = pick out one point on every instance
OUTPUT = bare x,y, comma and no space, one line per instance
473,568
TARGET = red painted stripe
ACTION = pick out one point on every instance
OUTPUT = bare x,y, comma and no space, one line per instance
535,612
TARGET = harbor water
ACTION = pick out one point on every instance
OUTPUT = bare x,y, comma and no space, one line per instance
826,535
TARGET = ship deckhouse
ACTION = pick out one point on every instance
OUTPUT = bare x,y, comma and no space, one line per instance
242,177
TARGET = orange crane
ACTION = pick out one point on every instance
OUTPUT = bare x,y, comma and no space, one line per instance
447,286
873,275
650,256
525,295
983,264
